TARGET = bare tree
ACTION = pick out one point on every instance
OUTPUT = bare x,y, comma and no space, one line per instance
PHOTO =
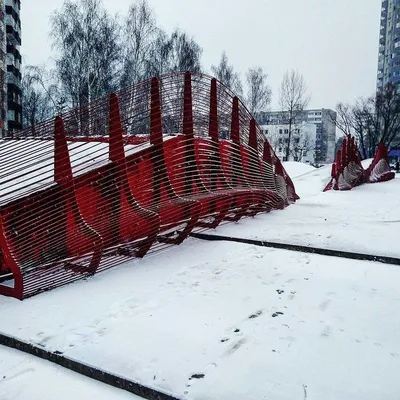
184,53
259,93
89,57
345,118
47,82
36,102
372,120
301,144
140,35
386,125
178,52
293,100
273,138
226,75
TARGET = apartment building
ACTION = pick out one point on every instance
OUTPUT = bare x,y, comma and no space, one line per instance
10,67
389,44
318,123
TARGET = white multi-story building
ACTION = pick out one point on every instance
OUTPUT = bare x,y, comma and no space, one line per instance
323,120
303,141
389,45
10,66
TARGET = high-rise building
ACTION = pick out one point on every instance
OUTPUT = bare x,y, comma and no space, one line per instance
13,62
325,130
10,66
389,44
3,93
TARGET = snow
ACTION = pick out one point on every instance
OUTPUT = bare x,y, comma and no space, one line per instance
365,219
25,377
162,319
258,323
33,169
294,168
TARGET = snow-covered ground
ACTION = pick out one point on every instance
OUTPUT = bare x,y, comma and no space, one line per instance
25,377
295,168
365,219
217,320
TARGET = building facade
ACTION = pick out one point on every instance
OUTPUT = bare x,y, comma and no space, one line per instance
389,44
3,70
13,61
318,123
303,141
10,67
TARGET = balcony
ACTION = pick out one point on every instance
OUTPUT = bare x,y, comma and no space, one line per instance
13,80
13,36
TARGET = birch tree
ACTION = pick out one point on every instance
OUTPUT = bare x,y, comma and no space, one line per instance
293,100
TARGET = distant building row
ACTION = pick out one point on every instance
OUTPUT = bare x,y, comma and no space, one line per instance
313,135
10,66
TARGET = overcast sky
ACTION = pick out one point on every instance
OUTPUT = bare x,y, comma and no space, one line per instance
333,43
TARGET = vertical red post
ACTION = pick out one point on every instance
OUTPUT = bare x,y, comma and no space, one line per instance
160,173
190,165
116,146
188,107
213,120
156,137
62,163
267,157
279,168
344,155
339,165
18,290
253,135
235,131
214,134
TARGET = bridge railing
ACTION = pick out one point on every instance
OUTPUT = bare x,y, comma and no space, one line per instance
348,172
128,175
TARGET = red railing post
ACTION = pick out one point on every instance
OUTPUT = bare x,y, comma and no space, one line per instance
9,262
213,119
79,235
235,130
62,162
116,146
267,156
253,135
156,137
190,162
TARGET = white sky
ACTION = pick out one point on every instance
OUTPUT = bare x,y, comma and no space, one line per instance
333,43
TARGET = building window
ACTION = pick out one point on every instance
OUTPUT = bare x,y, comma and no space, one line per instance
286,131
280,131
11,115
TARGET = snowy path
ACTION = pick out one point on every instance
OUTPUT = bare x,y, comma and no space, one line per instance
365,220
25,377
215,310
223,321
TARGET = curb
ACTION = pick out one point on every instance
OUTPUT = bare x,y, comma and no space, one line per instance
303,249
84,369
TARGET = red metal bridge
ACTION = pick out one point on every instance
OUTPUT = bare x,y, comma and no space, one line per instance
127,175
348,172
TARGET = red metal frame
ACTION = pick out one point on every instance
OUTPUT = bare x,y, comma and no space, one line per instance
111,197
348,172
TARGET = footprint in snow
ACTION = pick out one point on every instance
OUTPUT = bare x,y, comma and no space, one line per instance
324,305
276,314
193,378
255,315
